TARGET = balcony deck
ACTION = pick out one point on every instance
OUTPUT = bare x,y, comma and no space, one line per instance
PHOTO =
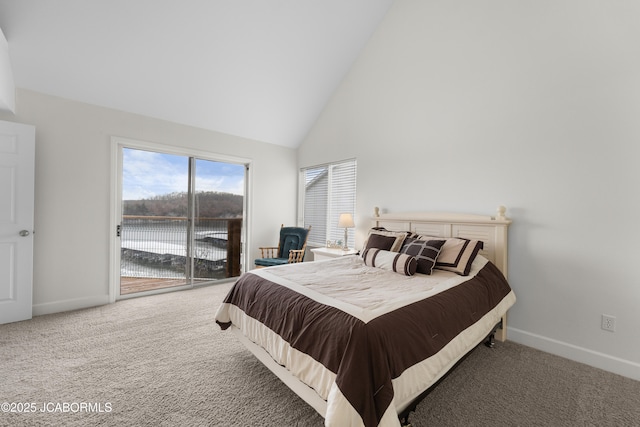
153,246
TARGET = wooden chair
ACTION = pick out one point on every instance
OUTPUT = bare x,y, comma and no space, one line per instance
291,248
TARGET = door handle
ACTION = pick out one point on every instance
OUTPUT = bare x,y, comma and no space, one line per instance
24,233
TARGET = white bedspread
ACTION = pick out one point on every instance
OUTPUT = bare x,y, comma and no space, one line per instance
362,291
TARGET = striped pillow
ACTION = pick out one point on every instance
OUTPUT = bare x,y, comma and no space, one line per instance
393,261
457,254
425,251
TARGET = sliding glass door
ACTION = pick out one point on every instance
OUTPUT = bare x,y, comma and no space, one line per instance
217,219
181,220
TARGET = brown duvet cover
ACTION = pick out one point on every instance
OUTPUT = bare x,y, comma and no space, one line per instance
364,353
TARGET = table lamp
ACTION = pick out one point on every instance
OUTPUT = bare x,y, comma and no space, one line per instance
345,221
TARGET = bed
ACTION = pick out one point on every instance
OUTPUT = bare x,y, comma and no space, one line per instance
362,338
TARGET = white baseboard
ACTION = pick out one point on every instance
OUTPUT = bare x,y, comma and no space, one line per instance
70,304
602,361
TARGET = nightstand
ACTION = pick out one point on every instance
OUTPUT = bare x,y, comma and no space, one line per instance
327,253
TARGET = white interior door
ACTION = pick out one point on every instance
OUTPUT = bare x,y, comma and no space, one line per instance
17,167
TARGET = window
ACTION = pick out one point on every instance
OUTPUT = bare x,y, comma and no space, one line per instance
329,190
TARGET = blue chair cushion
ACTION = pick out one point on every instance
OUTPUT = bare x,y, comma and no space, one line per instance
291,238
268,262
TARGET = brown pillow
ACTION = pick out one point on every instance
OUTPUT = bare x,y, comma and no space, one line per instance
384,239
425,252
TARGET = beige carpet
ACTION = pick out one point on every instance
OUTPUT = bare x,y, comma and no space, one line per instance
161,361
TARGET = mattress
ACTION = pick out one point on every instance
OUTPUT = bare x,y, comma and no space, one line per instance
367,340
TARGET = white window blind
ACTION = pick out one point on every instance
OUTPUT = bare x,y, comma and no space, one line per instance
329,190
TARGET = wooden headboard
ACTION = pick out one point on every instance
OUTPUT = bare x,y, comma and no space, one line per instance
491,230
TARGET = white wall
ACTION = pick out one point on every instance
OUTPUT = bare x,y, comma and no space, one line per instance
72,200
464,105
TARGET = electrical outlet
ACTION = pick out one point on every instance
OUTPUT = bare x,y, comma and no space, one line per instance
608,323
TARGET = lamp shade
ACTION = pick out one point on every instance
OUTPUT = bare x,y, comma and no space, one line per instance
346,221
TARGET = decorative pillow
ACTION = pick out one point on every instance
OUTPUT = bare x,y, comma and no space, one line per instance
383,239
457,254
425,252
393,261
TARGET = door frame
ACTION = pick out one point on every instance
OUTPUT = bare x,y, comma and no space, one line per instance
115,212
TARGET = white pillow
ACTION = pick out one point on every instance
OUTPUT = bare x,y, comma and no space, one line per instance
392,261
457,254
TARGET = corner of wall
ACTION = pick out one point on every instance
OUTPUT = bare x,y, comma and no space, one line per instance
7,87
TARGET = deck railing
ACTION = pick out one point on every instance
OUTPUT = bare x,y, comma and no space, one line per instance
158,246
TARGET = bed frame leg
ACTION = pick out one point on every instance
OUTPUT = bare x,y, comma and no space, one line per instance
491,340
501,331
404,421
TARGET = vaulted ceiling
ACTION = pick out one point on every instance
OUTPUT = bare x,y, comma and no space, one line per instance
259,69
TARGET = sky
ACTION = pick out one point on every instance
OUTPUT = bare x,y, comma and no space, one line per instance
146,174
